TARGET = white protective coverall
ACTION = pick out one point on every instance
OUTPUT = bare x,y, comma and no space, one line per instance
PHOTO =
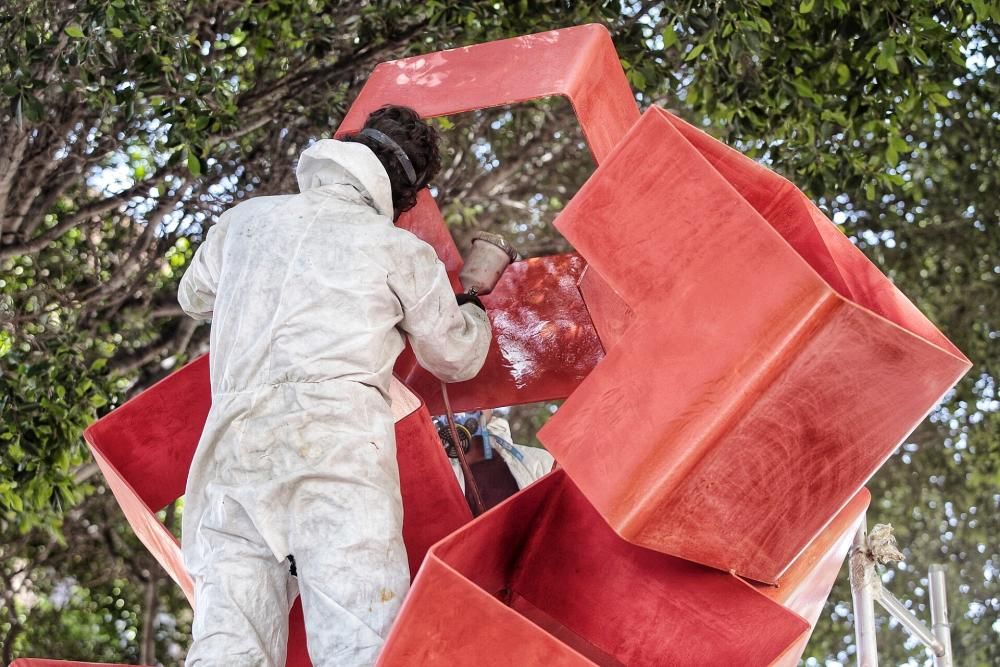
528,465
310,296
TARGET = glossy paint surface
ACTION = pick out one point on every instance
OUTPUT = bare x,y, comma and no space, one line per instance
544,343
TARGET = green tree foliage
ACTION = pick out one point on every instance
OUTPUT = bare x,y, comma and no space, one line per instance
131,124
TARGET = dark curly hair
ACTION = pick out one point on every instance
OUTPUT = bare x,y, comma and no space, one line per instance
417,138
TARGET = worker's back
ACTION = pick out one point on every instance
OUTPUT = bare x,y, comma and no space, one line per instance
320,286
303,291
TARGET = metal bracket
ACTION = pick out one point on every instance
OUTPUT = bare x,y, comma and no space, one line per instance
878,548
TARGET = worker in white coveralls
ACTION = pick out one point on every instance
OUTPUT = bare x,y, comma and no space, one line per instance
526,464
310,296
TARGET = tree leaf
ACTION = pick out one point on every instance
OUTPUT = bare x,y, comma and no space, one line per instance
669,38
695,52
74,30
637,79
33,109
843,73
891,156
193,164
237,37
940,100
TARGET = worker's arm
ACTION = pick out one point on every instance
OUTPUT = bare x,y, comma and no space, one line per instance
449,340
196,293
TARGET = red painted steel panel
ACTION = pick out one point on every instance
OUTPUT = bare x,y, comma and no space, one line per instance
579,63
145,447
805,585
542,580
543,341
750,399
150,440
433,504
146,526
424,221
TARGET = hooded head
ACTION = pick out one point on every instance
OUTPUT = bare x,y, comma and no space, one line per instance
331,162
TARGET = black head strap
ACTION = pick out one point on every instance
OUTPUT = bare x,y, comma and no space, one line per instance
384,140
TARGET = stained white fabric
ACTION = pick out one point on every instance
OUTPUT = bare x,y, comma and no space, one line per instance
532,463
310,296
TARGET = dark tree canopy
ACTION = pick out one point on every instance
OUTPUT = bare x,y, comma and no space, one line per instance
130,125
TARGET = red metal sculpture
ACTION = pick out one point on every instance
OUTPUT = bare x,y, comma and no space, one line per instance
758,370
784,367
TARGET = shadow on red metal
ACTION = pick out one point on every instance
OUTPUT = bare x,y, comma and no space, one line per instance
542,580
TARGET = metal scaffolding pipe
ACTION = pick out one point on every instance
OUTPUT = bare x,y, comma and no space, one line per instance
861,568
939,615
867,552
912,624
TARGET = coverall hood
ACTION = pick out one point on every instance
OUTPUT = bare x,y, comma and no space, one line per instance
332,162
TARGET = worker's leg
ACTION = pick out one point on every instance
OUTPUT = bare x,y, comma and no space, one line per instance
241,593
352,567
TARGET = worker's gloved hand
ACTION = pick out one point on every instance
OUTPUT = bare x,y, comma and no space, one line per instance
469,298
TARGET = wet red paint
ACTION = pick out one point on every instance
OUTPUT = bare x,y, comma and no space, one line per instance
544,343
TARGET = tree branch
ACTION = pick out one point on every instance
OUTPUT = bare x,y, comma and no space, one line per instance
85,213
176,343
165,206
217,139
85,472
147,653
10,163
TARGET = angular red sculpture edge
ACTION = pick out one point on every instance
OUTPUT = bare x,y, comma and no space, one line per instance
774,384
